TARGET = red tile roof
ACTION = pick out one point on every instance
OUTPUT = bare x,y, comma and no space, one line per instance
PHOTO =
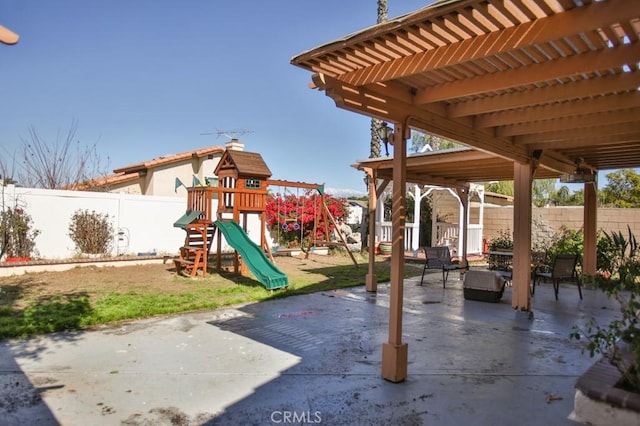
170,159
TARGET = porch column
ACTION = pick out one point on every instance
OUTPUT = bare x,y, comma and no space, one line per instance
463,222
521,298
480,192
379,216
394,352
417,200
434,219
371,282
589,263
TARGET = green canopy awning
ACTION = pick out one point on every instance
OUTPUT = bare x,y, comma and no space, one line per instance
187,218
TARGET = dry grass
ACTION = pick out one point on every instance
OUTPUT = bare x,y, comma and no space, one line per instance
35,303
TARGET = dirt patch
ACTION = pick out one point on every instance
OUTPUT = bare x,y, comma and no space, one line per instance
97,281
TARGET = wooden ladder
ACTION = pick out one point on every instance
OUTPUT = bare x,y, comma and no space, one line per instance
194,254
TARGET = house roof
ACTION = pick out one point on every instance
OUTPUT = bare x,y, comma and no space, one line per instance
245,163
170,159
547,82
104,181
132,172
116,178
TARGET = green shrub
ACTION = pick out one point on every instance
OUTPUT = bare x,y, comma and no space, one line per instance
503,241
92,232
567,241
621,337
606,250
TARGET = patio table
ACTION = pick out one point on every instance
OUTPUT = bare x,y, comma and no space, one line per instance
501,262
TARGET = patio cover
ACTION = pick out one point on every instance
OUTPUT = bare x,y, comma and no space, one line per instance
455,167
544,84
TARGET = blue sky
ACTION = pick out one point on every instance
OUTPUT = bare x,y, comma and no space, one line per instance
145,78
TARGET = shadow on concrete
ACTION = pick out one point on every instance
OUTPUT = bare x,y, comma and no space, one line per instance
469,362
21,391
21,396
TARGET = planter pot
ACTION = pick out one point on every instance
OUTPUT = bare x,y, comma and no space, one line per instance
18,259
599,402
385,248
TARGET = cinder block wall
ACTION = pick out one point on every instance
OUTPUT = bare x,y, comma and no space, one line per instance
609,219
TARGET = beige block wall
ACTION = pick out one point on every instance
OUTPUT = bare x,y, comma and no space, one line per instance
609,219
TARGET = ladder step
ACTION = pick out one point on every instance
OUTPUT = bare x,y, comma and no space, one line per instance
192,248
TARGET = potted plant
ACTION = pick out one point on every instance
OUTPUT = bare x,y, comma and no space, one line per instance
17,235
615,379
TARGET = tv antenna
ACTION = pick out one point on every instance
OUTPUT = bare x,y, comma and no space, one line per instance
231,134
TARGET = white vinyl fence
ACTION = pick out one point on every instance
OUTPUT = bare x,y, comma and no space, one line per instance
141,223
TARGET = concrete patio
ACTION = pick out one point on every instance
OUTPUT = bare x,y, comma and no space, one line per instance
311,359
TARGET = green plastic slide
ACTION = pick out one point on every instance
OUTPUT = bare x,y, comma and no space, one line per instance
265,271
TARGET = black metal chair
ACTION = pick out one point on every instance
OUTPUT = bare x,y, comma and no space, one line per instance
563,269
440,258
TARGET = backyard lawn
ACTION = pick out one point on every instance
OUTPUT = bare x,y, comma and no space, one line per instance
36,303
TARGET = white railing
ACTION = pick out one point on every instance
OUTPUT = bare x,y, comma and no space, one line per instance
386,235
474,239
446,235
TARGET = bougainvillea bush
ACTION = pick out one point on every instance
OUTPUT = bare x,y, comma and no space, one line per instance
294,218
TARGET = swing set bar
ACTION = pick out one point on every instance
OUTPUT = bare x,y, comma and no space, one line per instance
302,185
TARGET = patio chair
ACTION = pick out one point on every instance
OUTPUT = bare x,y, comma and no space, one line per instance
563,269
440,258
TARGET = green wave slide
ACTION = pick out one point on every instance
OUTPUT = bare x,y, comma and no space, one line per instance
265,271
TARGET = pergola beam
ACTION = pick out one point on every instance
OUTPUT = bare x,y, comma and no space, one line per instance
570,91
595,123
532,74
565,109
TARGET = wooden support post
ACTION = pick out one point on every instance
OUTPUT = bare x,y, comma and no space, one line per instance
204,230
394,352
523,176
371,280
219,251
589,258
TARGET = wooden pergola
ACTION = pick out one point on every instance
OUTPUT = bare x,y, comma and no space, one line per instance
533,87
